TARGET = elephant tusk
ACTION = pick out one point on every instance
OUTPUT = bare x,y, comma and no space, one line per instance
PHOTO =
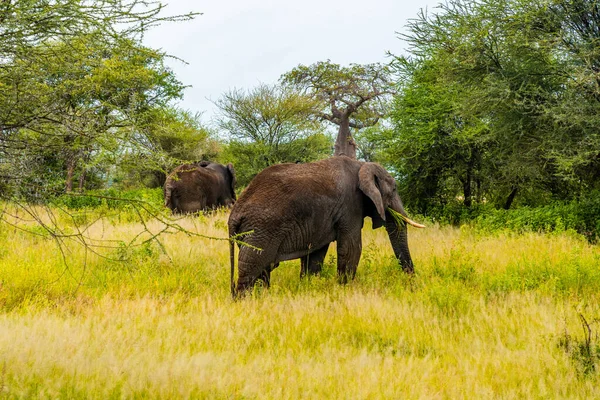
411,222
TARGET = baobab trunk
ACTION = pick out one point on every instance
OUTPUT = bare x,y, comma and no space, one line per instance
345,144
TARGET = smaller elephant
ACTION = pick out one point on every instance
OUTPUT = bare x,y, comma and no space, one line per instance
200,186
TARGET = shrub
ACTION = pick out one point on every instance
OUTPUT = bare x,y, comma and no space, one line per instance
110,198
581,216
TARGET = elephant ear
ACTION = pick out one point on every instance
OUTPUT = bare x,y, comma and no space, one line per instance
232,181
367,183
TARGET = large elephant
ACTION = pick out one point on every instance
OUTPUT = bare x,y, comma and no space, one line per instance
200,186
296,210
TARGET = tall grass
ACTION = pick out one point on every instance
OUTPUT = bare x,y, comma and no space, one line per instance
484,316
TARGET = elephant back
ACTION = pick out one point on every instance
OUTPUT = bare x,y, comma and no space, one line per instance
199,186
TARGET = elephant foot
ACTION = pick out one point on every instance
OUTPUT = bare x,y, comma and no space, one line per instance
409,270
265,277
345,276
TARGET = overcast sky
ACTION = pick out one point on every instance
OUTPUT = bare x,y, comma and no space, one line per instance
241,43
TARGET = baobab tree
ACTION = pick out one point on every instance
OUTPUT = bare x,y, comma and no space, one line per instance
350,97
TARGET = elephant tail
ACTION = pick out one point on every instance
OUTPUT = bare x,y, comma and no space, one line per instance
234,226
232,262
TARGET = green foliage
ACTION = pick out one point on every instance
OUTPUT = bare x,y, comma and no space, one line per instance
552,218
269,125
251,158
436,151
364,87
75,86
268,114
106,90
111,199
171,137
180,134
497,105
577,216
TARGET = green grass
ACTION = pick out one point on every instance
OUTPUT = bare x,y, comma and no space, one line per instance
484,316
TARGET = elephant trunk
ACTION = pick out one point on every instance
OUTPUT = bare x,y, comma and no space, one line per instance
398,234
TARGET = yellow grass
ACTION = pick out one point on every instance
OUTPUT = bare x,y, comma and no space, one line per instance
483,317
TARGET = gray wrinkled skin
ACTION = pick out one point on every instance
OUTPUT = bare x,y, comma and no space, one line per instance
297,210
200,186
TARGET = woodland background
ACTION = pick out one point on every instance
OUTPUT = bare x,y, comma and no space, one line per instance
494,109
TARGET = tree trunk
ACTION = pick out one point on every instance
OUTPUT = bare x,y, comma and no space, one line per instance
511,197
467,190
345,144
82,180
70,173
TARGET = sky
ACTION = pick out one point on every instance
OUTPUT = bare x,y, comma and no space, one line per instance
242,43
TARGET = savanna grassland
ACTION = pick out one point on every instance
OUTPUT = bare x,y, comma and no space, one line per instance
487,315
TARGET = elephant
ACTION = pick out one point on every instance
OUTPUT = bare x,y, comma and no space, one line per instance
199,186
291,211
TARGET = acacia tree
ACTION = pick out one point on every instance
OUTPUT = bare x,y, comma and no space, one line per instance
74,81
521,79
167,137
350,97
574,27
267,125
489,88
97,95
31,30
435,147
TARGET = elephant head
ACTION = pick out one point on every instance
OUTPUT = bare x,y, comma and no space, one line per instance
380,187
297,210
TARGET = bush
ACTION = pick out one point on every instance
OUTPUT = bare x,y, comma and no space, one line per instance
109,198
581,216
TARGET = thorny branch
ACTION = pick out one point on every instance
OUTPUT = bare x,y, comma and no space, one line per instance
25,217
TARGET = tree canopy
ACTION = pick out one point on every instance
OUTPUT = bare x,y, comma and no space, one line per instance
270,124
498,102
350,97
75,81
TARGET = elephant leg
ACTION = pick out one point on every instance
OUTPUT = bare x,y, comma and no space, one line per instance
313,263
349,248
